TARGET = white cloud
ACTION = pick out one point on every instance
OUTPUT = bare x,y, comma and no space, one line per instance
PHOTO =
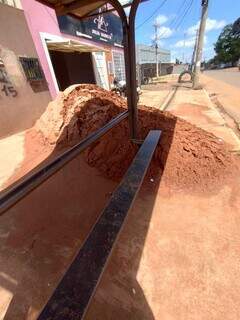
211,24
161,43
163,33
188,43
161,19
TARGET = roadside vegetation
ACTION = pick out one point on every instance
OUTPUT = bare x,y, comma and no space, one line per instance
227,47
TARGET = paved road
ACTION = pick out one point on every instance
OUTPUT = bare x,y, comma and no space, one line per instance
225,84
227,76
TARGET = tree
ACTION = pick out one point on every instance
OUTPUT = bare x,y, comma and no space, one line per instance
236,27
227,47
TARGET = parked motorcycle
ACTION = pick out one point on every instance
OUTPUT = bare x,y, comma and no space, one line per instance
120,88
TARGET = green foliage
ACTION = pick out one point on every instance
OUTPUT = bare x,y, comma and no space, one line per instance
227,47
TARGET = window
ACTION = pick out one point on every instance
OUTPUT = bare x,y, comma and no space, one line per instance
32,69
119,66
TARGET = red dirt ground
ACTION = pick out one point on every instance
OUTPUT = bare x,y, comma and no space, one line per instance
178,255
187,157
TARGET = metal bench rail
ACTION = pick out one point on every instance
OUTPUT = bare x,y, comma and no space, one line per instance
74,292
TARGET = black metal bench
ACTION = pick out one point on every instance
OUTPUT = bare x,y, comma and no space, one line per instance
74,292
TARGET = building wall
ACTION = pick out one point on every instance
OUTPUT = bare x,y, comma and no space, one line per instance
20,105
42,19
147,54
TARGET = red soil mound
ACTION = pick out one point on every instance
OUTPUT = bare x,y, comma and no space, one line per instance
186,157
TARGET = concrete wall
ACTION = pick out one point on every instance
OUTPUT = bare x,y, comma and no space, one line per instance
147,54
20,106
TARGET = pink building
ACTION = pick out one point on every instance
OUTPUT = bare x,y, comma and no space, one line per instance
24,94
41,54
75,52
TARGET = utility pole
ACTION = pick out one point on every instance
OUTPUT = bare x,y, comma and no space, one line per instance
194,51
184,45
197,67
156,26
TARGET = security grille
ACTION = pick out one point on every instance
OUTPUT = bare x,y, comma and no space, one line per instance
32,69
119,66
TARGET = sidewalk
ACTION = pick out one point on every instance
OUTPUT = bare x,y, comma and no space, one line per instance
11,156
154,95
196,107
158,93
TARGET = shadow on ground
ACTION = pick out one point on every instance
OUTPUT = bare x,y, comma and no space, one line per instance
41,234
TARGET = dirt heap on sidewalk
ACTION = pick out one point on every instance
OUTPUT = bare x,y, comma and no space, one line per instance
186,156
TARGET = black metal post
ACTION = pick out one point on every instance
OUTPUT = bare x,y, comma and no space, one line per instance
133,116
130,61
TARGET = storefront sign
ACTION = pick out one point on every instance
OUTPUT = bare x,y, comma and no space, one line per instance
101,27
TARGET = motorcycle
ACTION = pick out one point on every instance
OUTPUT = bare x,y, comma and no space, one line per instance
120,88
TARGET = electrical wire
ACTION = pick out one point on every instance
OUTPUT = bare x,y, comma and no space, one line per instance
175,19
179,18
155,11
185,14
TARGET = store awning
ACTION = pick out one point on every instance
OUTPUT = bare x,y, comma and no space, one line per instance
72,46
80,8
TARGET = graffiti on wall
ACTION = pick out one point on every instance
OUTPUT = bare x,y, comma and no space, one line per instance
6,87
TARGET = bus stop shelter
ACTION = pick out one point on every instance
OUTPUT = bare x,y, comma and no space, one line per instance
80,281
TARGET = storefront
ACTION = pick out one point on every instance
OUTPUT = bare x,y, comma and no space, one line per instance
73,51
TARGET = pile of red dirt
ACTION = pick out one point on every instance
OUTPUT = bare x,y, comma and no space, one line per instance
186,156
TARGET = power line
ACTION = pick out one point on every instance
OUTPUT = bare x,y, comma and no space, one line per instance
177,16
155,11
186,12
181,17
174,20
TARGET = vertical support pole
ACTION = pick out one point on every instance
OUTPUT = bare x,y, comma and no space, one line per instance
197,67
130,61
129,83
194,51
184,45
156,48
132,93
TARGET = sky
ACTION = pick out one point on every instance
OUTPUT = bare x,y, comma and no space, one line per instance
176,19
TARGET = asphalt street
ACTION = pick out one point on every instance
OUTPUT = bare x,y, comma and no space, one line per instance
231,77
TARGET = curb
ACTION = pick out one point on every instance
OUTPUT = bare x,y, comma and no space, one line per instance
209,99
216,109
168,99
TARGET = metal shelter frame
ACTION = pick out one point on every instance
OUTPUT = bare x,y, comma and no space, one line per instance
78,285
21,188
